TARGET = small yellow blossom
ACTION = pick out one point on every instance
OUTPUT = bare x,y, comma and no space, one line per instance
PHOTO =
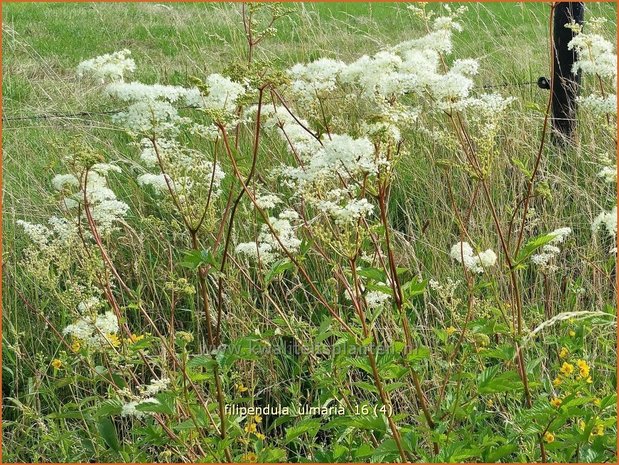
556,402
567,369
260,436
556,382
598,430
113,339
249,457
549,437
257,418
597,402
564,352
135,338
250,427
581,425
589,380
583,368
76,345
57,363
241,388
450,330
572,333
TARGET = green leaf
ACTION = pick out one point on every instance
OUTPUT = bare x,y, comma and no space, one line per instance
418,354
196,258
108,433
278,268
309,426
373,273
532,245
500,452
490,382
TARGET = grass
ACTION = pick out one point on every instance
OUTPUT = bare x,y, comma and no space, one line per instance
43,43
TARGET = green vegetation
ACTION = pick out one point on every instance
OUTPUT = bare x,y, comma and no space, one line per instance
430,358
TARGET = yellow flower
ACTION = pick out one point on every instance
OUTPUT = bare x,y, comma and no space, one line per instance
567,369
257,418
583,368
598,430
260,436
250,427
241,388
249,457
135,338
556,402
572,333
597,402
113,339
556,382
76,345
589,380
581,425
450,330
564,352
549,437
57,363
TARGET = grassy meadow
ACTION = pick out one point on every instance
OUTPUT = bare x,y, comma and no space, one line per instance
482,374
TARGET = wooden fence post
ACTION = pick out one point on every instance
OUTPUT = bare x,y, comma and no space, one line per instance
565,84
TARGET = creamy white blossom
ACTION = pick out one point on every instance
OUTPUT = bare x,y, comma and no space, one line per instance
108,67
463,253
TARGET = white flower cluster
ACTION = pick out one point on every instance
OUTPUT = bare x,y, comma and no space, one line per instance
596,56
189,173
96,331
61,231
415,66
152,109
105,208
463,253
609,174
608,222
376,299
267,248
129,408
108,67
550,250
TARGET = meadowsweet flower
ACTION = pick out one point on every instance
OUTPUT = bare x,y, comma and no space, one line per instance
606,221
250,427
549,437
557,382
60,181
564,352
463,253
136,91
609,174
260,436
96,331
268,201
57,363
155,387
450,330
108,67
223,93
271,245
376,299
156,181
